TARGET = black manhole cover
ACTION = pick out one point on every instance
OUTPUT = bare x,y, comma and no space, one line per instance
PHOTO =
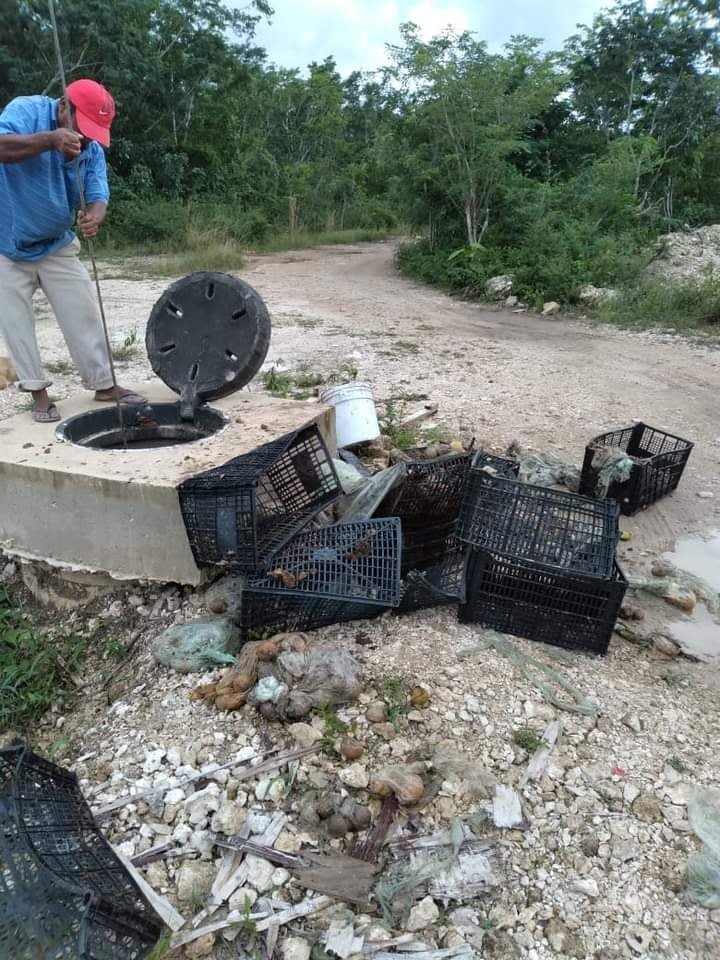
209,328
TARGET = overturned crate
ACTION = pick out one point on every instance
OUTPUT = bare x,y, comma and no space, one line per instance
350,571
63,891
438,585
427,503
242,513
430,493
494,465
654,466
542,564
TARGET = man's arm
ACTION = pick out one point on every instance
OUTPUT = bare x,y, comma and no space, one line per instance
16,147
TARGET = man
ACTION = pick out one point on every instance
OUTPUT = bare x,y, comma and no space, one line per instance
41,142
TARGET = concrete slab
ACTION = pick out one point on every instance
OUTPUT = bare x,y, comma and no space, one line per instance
118,511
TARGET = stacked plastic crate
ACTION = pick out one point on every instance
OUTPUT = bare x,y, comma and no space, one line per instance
542,562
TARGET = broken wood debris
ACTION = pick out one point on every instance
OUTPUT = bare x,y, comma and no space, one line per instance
162,907
370,847
449,865
425,413
540,759
269,762
233,871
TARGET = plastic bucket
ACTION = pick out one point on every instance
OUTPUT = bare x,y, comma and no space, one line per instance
355,415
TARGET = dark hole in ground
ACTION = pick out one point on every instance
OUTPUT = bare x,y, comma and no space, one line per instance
145,428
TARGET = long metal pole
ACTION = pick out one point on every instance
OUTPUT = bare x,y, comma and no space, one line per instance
83,207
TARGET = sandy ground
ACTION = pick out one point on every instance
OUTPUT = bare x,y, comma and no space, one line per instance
550,384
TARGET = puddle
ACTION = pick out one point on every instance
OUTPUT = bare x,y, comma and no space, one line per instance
699,555
698,634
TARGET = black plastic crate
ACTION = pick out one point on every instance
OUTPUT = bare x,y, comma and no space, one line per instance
263,615
63,891
661,460
351,562
439,585
542,603
539,524
242,513
425,547
430,493
499,466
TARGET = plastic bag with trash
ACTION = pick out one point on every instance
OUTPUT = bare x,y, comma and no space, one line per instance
703,881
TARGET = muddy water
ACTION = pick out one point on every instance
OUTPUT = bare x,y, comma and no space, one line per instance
699,555
699,633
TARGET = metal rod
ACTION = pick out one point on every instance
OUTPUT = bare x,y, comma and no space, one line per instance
83,207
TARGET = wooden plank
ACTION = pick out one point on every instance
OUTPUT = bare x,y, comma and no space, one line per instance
164,909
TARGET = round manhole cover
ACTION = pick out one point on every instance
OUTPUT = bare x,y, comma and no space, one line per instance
209,328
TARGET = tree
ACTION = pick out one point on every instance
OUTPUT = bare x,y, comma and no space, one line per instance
468,112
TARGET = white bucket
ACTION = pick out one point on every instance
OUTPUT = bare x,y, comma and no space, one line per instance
355,416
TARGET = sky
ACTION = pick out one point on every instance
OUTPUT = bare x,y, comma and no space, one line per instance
355,31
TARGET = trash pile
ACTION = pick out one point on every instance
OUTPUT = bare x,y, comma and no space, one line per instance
324,541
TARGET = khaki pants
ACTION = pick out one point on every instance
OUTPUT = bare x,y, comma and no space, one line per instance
67,285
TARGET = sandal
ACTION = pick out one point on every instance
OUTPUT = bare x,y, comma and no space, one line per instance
50,415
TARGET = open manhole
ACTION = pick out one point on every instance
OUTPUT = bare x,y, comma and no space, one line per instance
143,428
207,336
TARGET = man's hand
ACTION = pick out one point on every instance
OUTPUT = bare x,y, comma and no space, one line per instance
67,142
89,223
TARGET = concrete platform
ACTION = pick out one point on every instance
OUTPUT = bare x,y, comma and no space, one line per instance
118,511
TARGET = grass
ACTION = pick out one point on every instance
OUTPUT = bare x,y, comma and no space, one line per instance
333,727
681,306
59,367
402,437
673,678
161,948
294,386
677,764
300,386
395,695
36,665
128,348
527,739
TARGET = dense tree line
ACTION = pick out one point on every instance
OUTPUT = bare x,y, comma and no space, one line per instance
556,166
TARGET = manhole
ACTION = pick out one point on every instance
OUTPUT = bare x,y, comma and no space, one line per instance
206,337
143,428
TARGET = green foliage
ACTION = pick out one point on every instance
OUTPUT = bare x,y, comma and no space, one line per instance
677,764
299,386
36,665
395,695
687,305
128,348
527,739
403,437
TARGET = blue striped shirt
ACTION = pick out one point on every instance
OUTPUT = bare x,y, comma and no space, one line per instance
39,196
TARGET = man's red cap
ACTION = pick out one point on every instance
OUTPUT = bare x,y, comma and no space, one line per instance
94,110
